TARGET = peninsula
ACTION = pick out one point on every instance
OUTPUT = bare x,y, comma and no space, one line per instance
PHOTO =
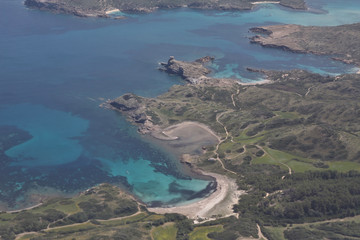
339,42
290,136
259,109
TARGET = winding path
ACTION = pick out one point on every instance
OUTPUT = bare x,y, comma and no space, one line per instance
221,141
284,164
232,97
261,236
24,209
308,91
290,172
18,236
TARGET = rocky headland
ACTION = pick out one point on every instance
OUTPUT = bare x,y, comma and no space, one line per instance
95,8
193,72
136,108
340,42
205,99
270,136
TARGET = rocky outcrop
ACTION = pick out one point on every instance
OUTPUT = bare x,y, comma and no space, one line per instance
134,108
192,72
133,105
261,30
139,110
278,37
127,102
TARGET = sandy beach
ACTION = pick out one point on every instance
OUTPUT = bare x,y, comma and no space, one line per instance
187,137
174,131
238,81
112,11
218,203
265,81
264,2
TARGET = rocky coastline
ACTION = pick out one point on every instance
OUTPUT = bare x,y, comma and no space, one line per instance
312,39
64,8
135,107
193,72
93,8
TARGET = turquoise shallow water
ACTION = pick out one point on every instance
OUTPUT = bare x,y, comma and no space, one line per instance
55,70
49,145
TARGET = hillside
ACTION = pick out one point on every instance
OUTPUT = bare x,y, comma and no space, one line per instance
313,117
291,143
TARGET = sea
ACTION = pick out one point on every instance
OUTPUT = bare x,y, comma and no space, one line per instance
56,69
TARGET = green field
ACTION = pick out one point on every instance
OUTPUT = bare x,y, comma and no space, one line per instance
300,164
200,233
165,232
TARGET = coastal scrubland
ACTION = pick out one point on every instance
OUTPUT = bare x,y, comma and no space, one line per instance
291,143
102,212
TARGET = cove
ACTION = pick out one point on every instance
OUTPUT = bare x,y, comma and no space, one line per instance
55,70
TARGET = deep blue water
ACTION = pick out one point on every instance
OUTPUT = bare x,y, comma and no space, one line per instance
55,70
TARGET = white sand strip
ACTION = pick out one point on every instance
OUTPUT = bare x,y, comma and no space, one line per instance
219,202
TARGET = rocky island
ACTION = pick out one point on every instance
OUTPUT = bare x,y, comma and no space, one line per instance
95,8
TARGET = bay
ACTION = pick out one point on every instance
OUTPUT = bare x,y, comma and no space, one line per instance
56,69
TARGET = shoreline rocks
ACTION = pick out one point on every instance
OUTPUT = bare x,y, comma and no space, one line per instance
134,108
